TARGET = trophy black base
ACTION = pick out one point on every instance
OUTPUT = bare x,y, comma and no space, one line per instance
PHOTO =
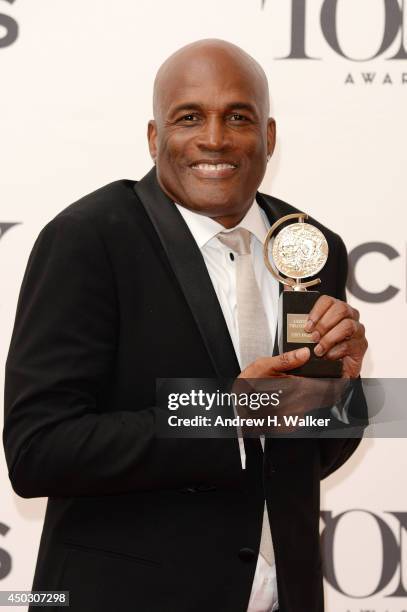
294,308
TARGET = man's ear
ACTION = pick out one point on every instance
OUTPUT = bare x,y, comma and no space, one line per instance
152,138
271,136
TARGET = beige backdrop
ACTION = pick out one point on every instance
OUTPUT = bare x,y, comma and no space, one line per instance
75,99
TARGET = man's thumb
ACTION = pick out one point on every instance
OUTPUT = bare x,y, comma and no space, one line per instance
292,359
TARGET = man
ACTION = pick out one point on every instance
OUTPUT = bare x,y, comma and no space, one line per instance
132,284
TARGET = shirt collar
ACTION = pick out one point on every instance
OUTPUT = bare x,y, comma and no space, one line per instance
205,228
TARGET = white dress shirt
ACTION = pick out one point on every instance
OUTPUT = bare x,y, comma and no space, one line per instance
220,263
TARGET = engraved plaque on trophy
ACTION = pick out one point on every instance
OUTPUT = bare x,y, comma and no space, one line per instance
298,251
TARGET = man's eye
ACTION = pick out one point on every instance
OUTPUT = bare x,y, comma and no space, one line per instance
189,117
237,117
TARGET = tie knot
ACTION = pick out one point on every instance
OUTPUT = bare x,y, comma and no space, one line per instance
238,240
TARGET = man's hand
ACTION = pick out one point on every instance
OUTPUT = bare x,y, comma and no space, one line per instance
338,334
336,329
266,367
298,395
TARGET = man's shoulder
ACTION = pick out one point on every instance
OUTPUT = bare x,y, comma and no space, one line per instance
105,212
104,203
280,208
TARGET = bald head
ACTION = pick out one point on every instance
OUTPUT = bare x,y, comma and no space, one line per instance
203,58
211,135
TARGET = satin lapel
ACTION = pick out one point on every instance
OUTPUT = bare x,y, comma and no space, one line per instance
273,213
190,270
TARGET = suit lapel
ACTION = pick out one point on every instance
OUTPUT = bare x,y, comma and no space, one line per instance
188,265
186,261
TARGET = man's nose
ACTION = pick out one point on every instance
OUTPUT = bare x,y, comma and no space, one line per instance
214,134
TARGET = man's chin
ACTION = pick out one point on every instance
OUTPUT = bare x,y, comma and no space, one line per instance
211,207
216,198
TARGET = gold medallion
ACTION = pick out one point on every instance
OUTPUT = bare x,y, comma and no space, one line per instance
300,250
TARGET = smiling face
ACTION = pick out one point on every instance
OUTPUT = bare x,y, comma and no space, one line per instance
211,134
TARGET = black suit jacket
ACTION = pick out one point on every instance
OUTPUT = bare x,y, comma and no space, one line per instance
116,294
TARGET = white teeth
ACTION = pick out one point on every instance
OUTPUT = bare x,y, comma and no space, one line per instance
213,166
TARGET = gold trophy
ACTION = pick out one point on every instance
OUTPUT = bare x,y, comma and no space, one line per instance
299,250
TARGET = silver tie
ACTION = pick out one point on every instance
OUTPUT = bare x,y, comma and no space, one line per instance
254,333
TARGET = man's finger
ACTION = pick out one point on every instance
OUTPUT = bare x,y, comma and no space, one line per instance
290,360
323,303
334,315
345,330
355,347
339,351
